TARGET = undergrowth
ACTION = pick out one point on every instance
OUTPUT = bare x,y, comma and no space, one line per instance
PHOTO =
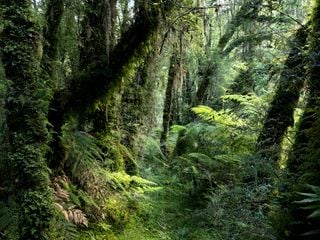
212,185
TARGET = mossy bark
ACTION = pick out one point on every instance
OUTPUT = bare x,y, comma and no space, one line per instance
137,100
97,32
54,13
243,84
26,107
248,12
280,113
303,163
87,88
103,77
167,111
99,38
207,73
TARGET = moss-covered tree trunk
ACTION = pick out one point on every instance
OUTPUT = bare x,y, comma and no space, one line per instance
167,111
303,163
98,39
248,11
98,32
207,73
280,113
100,80
209,66
26,107
137,102
53,16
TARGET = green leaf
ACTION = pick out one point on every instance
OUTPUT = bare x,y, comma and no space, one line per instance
315,214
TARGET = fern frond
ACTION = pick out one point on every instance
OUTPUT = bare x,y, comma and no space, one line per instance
224,117
176,129
311,201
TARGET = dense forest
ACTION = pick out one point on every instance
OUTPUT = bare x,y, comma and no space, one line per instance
160,119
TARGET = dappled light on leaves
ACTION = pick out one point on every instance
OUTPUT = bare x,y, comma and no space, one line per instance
160,119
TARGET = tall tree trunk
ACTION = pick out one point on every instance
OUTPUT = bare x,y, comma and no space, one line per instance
53,16
101,19
99,80
207,73
99,38
54,13
97,35
136,102
167,111
178,86
208,69
279,118
26,109
303,163
308,130
125,15
247,12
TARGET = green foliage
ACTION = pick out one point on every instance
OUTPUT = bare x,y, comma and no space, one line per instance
307,208
62,229
238,212
37,213
83,151
311,201
224,117
9,220
210,186
201,197
152,155
3,88
100,186
217,151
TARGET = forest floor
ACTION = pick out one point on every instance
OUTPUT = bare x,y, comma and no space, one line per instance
166,213
172,211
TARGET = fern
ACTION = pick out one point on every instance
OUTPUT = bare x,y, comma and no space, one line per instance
253,107
311,201
83,152
63,229
224,117
152,152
